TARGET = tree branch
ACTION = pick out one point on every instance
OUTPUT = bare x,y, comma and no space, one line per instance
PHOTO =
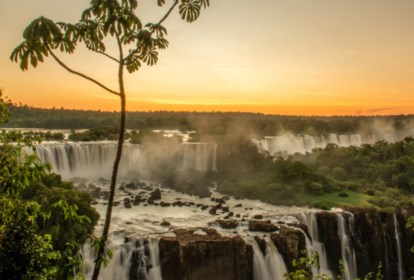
107,55
80,74
167,14
159,23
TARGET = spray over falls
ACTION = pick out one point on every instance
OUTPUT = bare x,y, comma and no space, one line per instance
93,160
175,236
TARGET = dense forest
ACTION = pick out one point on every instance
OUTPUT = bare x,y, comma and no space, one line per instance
44,221
214,123
373,176
379,175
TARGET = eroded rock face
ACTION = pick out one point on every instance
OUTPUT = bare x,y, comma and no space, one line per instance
375,241
228,224
265,226
290,242
205,256
328,234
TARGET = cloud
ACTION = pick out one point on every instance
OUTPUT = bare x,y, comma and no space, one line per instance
376,110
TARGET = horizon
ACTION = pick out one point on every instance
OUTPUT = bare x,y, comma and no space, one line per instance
212,112
307,58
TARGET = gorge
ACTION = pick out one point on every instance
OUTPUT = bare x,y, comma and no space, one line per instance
158,233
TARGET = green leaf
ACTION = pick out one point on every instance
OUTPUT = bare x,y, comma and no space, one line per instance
190,10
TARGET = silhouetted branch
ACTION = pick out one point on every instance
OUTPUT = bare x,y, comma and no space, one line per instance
80,74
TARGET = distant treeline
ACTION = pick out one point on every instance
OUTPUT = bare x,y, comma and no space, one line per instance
212,123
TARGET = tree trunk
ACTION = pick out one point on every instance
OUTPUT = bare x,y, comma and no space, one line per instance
102,246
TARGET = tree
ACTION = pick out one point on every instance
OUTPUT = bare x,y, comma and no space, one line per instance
32,204
136,43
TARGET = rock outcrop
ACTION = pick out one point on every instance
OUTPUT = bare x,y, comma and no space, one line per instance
290,242
205,255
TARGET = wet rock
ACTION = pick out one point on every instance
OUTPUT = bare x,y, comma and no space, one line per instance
265,226
178,203
290,243
155,195
258,216
328,234
238,205
105,195
138,199
95,192
205,256
213,210
131,186
165,204
204,207
262,244
165,223
228,224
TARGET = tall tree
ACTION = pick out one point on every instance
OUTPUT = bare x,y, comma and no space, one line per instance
103,21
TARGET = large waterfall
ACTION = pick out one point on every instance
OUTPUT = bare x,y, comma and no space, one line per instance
291,144
95,159
142,258
136,259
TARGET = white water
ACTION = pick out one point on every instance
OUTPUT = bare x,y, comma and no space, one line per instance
120,266
93,160
269,266
309,219
347,249
399,252
292,144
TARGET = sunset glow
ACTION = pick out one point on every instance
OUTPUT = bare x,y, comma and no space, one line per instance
302,57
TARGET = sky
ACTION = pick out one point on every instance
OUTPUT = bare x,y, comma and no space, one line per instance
295,57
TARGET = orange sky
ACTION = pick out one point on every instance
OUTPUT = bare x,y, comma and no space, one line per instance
306,57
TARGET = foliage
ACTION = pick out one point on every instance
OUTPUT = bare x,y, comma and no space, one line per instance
24,253
303,267
410,225
95,134
378,175
28,245
303,270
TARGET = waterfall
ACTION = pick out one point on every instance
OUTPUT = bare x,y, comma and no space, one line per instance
132,260
269,266
292,144
347,248
309,249
310,220
399,252
95,159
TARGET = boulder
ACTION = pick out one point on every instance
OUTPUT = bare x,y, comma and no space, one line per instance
265,226
228,224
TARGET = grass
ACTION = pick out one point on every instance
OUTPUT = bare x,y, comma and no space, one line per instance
334,199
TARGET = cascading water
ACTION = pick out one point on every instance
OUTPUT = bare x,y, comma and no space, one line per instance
347,249
310,220
269,266
132,260
399,252
95,159
292,144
